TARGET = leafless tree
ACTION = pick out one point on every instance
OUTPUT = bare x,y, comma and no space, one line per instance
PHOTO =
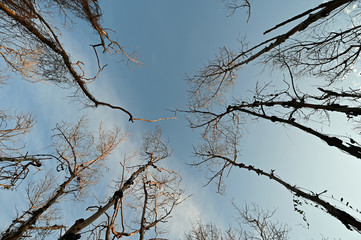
31,43
149,193
253,223
79,156
14,163
234,5
145,188
207,232
319,48
324,45
31,46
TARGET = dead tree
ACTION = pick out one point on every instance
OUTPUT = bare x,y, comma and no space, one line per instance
323,46
79,155
14,163
145,188
31,44
259,220
317,49
150,192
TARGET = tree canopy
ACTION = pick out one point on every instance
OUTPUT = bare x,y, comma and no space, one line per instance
132,188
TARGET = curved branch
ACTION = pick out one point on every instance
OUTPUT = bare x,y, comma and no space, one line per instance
57,48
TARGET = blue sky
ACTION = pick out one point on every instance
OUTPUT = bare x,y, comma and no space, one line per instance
175,38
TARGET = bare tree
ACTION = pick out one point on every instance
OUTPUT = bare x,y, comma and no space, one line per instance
151,193
234,5
318,48
253,223
323,46
79,156
31,43
207,232
14,163
31,47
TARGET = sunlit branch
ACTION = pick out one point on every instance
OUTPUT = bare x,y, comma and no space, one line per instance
83,223
57,48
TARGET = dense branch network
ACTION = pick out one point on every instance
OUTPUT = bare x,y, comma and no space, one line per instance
324,50
324,45
252,222
31,46
81,157
15,165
